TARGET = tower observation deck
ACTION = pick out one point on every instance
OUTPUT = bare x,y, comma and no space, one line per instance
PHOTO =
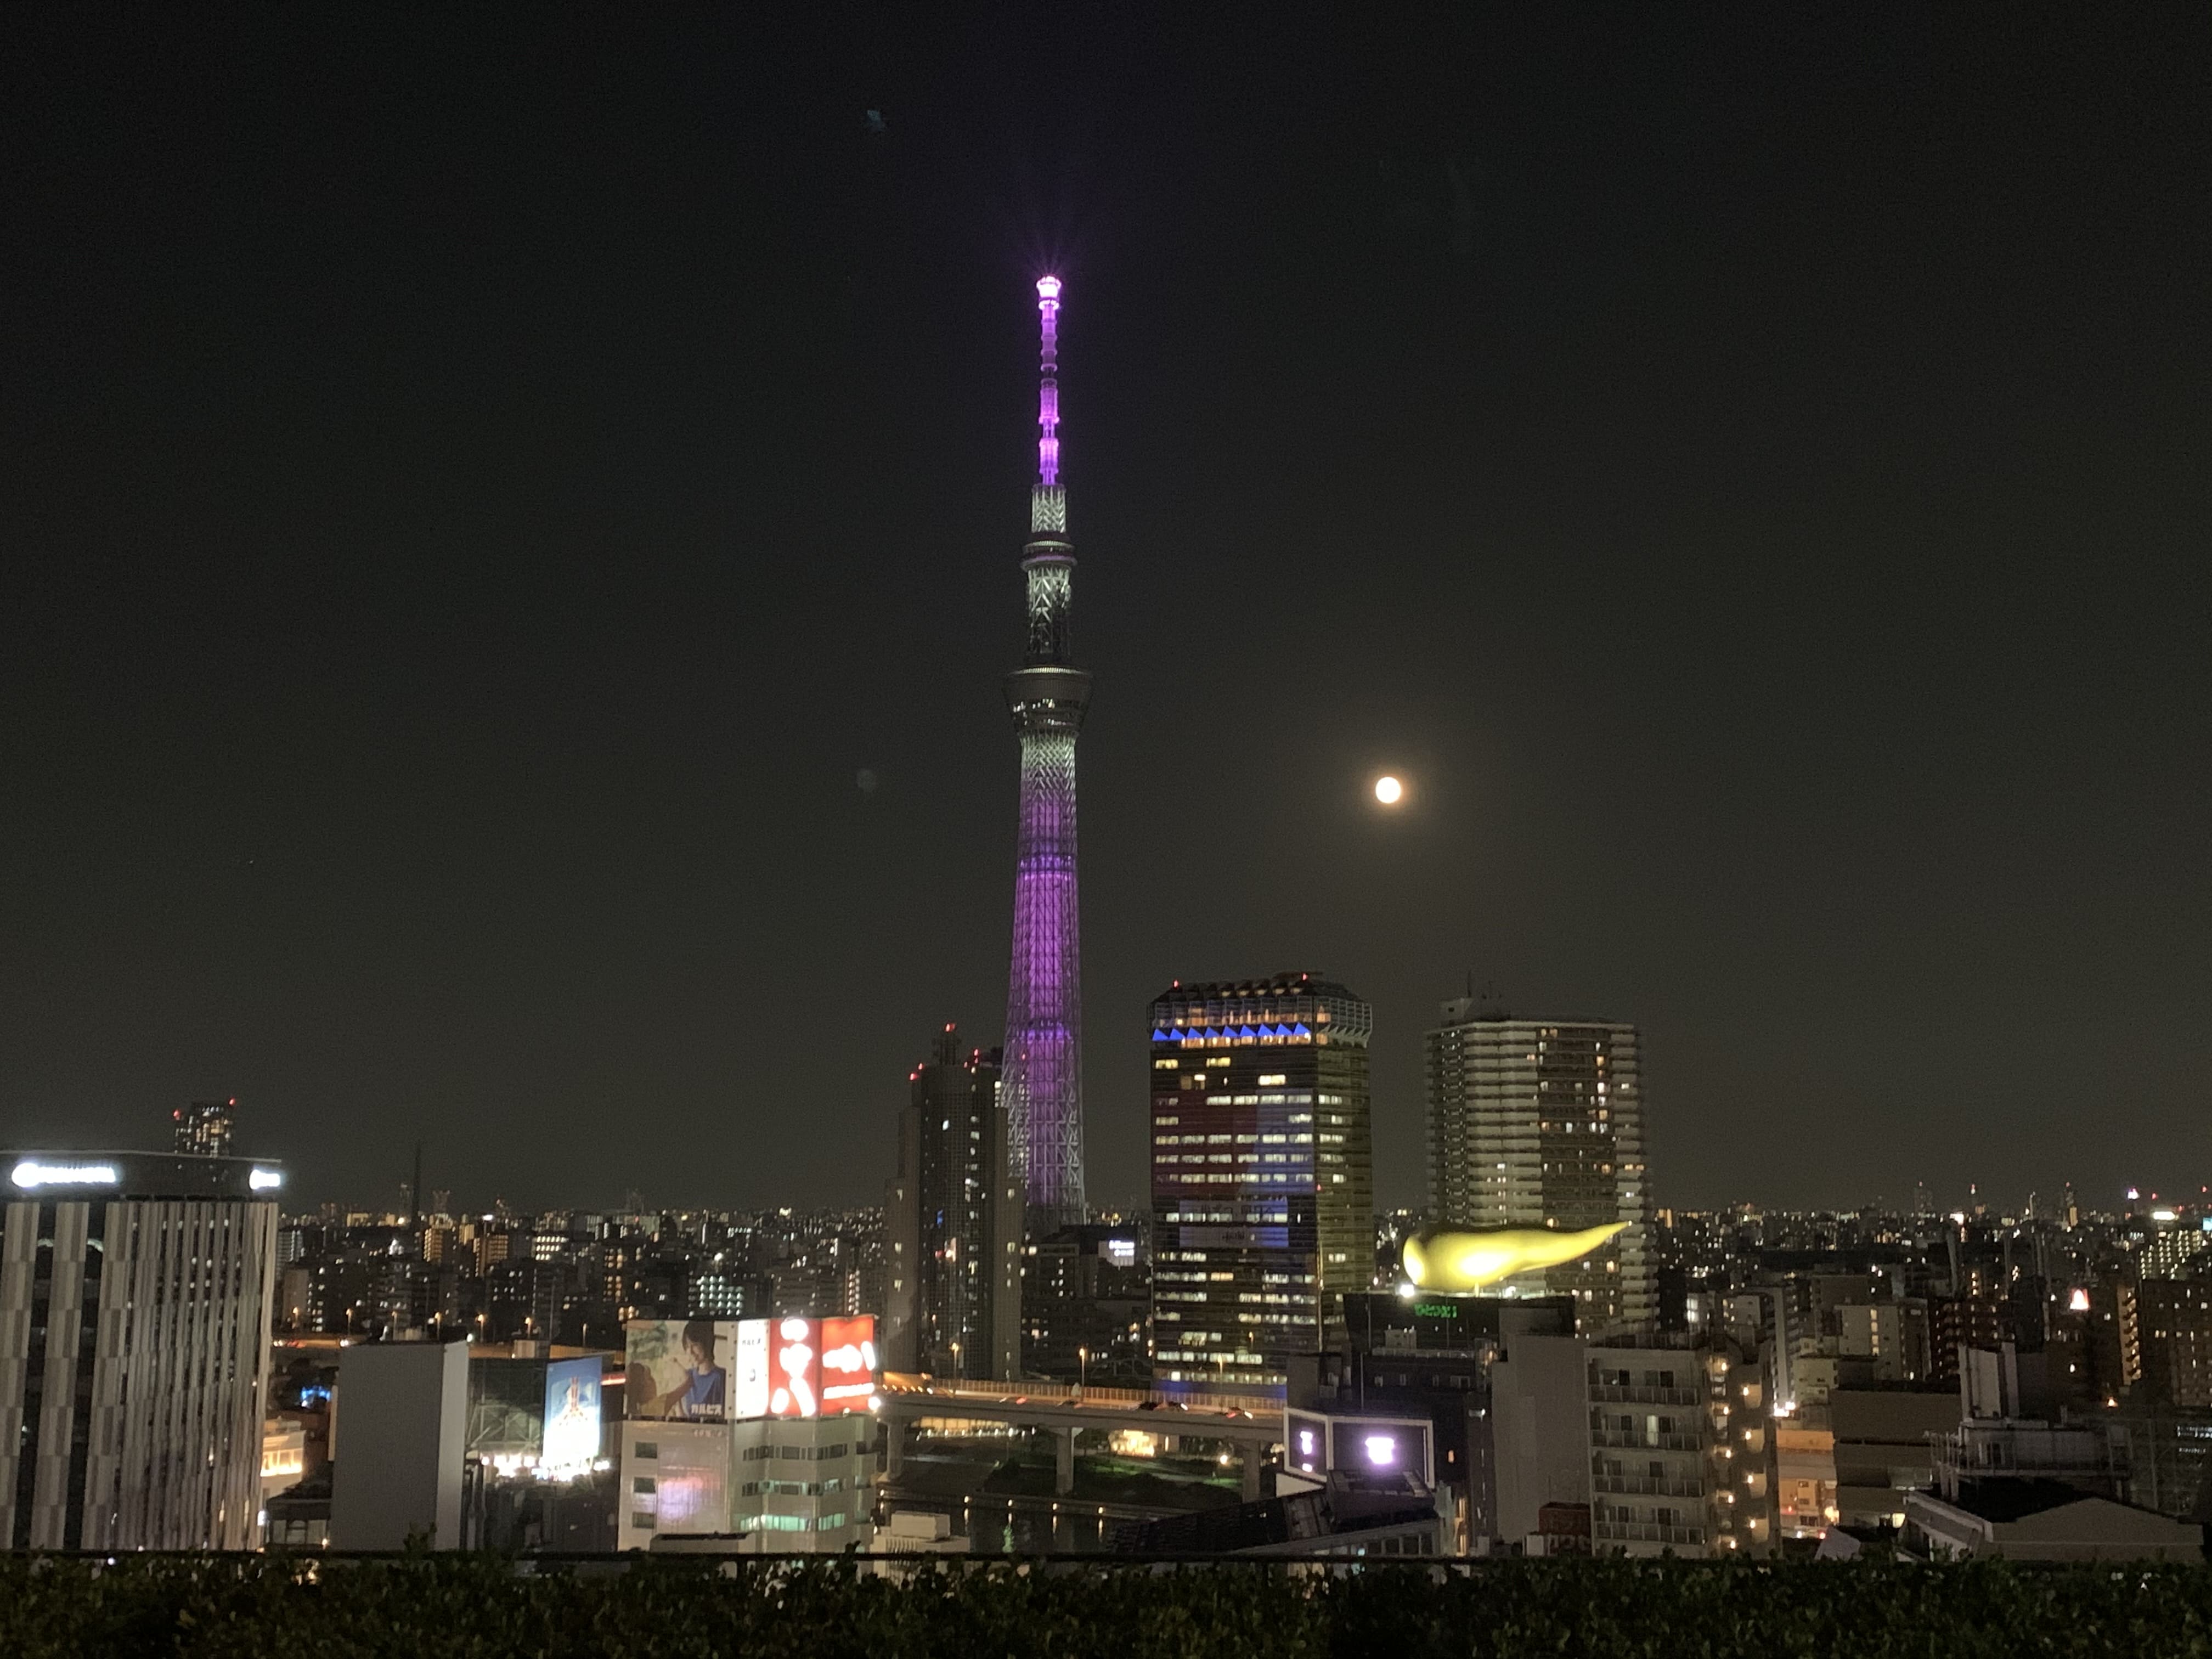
1042,1078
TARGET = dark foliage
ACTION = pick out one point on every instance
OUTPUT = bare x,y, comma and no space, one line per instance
272,1607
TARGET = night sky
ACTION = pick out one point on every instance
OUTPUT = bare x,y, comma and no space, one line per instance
478,490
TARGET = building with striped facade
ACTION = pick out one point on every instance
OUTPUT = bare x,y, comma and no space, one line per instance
135,1293
1540,1123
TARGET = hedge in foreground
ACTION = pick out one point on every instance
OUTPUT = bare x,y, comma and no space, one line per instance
269,1607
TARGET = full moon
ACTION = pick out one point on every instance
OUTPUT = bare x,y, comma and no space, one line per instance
1388,790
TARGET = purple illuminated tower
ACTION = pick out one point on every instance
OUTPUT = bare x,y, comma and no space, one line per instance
1043,1075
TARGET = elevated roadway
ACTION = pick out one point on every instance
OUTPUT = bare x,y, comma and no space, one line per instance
1253,1423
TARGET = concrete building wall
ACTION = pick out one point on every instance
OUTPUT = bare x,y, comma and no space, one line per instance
805,1484
675,1481
1540,1403
1885,1448
403,1406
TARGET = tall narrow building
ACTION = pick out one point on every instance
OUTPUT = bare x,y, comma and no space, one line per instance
954,1215
1540,1123
1043,1081
1263,1192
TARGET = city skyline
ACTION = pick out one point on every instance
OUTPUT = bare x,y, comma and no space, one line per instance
509,575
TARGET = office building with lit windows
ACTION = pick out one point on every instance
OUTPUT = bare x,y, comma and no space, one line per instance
1540,1123
1262,1175
136,1296
954,1215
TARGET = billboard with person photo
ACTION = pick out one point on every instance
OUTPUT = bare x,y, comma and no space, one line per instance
679,1370
571,1439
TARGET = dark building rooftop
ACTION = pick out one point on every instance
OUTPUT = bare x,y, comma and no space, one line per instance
1344,1505
1295,985
2012,1499
59,1175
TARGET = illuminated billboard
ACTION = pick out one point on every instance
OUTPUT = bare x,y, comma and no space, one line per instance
571,1440
849,1364
1315,1442
795,1368
678,1370
805,1367
750,1385
1382,1445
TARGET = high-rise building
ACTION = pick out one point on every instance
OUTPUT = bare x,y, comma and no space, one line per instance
203,1127
136,1296
1540,1123
1086,1297
1048,695
2173,1342
1263,1206
955,1217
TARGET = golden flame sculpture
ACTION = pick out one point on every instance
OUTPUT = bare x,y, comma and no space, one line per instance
1467,1259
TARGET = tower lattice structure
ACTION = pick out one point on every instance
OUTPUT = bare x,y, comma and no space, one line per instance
1044,1076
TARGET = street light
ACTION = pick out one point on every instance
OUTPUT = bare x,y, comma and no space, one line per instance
1082,1369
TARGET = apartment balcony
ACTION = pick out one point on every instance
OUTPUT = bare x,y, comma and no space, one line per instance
1644,1487
1614,1394
1638,1440
1638,1532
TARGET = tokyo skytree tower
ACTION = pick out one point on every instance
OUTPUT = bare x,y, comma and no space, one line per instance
1043,1079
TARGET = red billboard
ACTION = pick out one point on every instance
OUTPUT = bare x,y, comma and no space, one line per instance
814,1367
849,1364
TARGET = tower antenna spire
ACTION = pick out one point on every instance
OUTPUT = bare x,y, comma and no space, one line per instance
1048,499
1049,381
